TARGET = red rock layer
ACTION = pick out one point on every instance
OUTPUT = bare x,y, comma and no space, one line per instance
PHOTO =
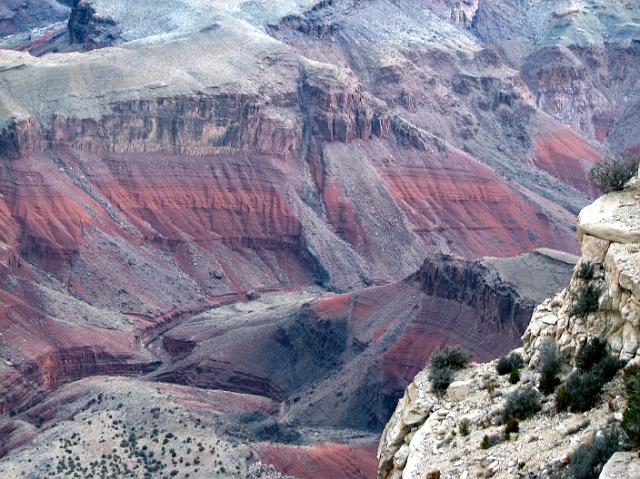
567,156
325,460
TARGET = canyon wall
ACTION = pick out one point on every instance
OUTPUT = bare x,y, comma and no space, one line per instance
160,159
418,440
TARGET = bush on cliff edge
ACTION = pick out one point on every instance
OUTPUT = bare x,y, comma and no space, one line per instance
443,363
611,175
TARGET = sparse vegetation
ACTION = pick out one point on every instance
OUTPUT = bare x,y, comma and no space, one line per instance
514,376
586,270
489,441
631,416
595,368
464,428
589,459
441,379
506,364
585,299
550,367
590,354
443,363
258,426
452,357
521,404
612,175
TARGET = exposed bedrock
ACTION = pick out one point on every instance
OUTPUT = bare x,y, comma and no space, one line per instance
562,79
89,29
342,360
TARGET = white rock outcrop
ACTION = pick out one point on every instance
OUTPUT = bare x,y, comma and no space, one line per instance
423,437
609,230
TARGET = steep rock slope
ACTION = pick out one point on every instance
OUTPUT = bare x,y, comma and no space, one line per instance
223,148
418,438
274,158
610,233
163,158
328,366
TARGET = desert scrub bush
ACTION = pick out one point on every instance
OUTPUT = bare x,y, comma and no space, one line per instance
585,299
588,460
257,425
586,270
508,363
595,368
464,427
550,368
522,404
452,357
631,416
514,376
511,426
591,353
440,379
489,441
443,363
611,175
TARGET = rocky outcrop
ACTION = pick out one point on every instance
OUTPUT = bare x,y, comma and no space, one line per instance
610,233
89,29
622,464
422,436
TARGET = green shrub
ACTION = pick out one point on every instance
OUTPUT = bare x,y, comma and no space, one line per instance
443,363
607,368
521,404
452,357
611,175
514,376
506,364
441,379
585,299
586,270
550,367
580,393
591,353
589,459
631,416
631,420
596,367
489,441
632,378
464,428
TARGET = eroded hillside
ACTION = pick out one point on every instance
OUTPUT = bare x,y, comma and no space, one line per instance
163,162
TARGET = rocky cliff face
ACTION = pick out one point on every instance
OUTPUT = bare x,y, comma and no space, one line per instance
420,438
329,364
610,233
162,158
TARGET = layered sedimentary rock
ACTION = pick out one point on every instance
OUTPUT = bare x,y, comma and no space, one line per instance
353,353
610,233
311,360
158,159
599,302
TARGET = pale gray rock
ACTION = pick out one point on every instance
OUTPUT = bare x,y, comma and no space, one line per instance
622,465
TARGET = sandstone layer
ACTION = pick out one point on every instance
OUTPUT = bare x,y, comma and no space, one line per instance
160,159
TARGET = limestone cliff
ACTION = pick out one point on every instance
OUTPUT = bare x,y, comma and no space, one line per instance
423,437
609,230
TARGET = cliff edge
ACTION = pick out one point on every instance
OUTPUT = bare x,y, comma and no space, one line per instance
463,431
